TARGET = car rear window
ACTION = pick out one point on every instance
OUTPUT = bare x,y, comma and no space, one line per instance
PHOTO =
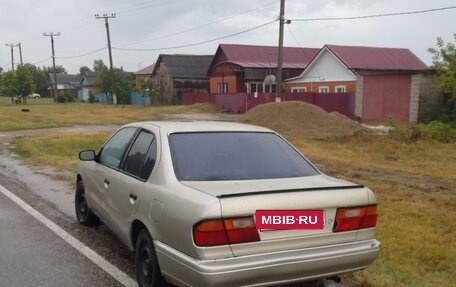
235,156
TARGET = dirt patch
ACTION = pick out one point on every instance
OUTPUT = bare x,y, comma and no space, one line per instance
293,119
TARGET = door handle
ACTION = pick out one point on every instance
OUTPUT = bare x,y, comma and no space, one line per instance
106,183
133,198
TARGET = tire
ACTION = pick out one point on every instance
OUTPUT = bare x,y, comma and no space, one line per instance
148,271
83,212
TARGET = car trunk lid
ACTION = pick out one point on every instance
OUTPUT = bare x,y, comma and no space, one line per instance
245,198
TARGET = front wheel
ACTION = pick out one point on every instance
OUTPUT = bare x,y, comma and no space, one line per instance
147,270
83,213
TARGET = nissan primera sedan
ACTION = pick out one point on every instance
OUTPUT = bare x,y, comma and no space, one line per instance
224,204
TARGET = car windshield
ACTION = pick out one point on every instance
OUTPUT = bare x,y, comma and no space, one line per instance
235,156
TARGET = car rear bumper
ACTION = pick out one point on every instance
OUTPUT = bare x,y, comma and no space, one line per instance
266,269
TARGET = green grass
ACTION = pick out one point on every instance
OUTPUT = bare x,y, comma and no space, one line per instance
58,151
43,113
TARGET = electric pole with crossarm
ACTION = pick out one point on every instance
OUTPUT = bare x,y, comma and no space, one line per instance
111,68
52,34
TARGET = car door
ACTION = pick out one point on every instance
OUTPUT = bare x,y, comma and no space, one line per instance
128,187
105,170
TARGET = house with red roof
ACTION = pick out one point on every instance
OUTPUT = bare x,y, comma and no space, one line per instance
387,82
245,68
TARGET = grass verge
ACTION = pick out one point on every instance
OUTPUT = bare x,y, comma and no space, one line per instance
44,114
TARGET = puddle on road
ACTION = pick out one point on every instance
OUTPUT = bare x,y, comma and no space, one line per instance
39,181
42,180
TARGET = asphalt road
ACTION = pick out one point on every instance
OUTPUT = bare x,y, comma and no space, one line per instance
33,255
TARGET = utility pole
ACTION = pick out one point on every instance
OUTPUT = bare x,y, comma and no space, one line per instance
111,67
282,21
12,54
20,52
52,34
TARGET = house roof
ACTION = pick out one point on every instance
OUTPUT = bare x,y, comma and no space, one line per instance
249,56
377,58
66,79
89,78
185,66
145,71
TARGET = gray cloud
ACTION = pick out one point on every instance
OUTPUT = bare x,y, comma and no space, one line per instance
151,24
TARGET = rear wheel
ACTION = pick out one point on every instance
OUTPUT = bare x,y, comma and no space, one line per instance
147,270
83,213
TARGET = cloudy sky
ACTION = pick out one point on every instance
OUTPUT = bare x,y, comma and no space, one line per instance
143,29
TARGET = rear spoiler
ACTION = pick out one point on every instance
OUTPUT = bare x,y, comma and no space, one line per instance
290,190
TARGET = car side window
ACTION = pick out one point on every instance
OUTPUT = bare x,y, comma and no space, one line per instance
113,151
140,160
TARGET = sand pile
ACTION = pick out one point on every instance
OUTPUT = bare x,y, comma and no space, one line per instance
293,119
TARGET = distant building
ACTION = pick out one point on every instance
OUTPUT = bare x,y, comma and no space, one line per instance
87,83
387,82
175,74
143,74
244,68
65,83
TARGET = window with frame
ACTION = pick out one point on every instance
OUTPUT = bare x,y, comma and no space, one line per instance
299,89
112,152
340,89
323,89
140,159
257,87
222,88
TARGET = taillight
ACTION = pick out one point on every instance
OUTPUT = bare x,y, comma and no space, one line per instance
353,218
225,231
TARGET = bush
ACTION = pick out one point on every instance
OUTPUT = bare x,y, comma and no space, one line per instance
409,133
65,98
440,132
435,130
92,98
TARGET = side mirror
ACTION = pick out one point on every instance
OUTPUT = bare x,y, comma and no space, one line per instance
87,155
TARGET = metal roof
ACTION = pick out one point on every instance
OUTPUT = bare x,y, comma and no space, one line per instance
66,79
377,58
145,71
185,66
249,56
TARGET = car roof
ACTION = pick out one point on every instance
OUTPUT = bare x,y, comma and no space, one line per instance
169,127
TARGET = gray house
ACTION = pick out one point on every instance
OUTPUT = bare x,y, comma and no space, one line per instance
87,83
65,83
175,74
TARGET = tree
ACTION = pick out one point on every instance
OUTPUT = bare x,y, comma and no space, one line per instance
8,84
39,78
112,82
50,70
444,62
146,88
98,65
24,82
83,70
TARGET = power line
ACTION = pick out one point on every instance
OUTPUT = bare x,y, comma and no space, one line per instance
42,61
204,25
144,6
82,55
198,43
374,15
